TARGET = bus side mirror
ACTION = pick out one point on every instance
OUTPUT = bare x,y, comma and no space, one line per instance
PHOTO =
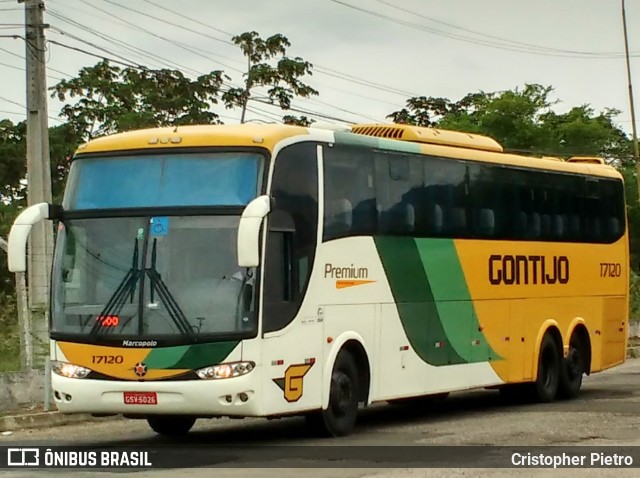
249,231
17,254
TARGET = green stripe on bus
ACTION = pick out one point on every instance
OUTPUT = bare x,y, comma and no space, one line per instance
442,266
414,300
190,356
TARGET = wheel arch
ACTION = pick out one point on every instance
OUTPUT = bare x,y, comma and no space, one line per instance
549,326
354,344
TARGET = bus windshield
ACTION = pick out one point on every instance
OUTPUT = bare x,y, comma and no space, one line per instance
154,278
160,272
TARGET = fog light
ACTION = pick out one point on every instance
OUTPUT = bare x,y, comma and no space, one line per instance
228,398
67,397
243,397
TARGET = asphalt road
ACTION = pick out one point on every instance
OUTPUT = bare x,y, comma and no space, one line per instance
606,414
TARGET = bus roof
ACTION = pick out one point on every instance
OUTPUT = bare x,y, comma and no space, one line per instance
252,135
400,137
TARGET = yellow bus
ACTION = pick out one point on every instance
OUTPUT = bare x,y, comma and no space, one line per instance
273,270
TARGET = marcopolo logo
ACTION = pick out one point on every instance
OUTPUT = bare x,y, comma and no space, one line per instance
23,457
139,343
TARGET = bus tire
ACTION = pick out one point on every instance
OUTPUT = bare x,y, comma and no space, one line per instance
572,369
172,426
340,416
548,381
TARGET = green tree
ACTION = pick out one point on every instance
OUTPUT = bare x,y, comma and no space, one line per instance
62,143
110,99
297,120
523,120
282,80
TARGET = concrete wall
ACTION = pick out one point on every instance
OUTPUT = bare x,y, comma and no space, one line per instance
21,389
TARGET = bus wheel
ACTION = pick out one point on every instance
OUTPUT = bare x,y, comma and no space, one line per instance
546,386
572,369
172,426
340,416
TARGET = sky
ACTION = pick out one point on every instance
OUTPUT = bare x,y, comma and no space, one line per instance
368,56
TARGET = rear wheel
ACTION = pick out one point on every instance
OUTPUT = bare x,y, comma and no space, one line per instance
340,416
546,385
172,426
572,368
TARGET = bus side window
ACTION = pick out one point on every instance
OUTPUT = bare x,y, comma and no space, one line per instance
349,195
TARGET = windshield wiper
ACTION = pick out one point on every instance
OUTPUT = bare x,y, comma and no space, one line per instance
158,285
128,287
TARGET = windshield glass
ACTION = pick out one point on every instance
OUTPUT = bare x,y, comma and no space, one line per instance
166,179
154,278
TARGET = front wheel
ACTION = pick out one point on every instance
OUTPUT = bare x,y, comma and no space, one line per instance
340,416
172,426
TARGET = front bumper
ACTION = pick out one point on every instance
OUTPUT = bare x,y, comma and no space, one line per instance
238,396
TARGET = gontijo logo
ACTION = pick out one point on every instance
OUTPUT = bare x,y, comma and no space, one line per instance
347,276
292,382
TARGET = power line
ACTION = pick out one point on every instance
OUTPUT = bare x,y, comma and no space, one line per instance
147,14
97,47
476,41
12,102
189,18
13,113
102,57
173,42
189,49
336,74
22,58
506,40
23,70
363,82
359,80
127,46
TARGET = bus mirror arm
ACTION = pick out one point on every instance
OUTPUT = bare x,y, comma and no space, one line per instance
249,231
20,230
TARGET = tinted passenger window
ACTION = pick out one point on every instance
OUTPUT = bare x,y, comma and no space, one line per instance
349,194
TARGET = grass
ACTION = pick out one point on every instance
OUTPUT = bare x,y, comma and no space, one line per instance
9,338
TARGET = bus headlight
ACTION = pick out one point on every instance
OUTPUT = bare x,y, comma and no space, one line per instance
226,370
69,370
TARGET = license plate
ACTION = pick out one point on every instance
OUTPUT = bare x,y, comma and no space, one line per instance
140,398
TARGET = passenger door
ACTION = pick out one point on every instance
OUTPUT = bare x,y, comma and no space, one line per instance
290,326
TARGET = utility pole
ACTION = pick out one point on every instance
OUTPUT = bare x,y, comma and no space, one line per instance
636,156
38,176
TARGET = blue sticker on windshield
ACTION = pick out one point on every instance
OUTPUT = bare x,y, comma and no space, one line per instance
159,226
